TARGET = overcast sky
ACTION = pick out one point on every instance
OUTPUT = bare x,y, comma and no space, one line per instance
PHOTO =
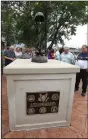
80,38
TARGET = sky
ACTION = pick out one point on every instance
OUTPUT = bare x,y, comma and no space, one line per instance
79,39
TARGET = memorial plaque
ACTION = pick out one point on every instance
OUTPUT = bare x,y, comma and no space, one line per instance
42,102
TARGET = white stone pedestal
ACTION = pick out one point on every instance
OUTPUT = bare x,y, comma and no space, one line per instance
24,76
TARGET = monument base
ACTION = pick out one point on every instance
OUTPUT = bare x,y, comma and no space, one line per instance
40,95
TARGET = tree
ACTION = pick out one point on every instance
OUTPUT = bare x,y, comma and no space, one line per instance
9,10
7,22
69,16
61,20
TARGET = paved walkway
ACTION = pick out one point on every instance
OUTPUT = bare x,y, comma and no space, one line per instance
78,128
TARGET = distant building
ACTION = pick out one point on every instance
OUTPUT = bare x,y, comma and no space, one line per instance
74,50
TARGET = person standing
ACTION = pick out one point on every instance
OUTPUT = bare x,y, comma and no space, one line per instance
18,52
33,52
57,54
61,50
2,59
67,56
87,71
82,63
9,55
51,54
27,54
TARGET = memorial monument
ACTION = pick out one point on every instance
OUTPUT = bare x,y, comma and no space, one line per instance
40,93
39,58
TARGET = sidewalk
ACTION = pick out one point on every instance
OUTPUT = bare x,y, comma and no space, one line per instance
78,128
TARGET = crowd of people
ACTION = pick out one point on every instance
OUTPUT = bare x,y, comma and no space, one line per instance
81,61
63,54
11,53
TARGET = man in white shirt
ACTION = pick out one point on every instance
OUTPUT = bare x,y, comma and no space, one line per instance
67,56
18,52
82,63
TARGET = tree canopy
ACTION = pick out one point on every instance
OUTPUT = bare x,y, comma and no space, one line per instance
61,20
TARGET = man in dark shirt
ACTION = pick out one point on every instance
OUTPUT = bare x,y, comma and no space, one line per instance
82,62
9,55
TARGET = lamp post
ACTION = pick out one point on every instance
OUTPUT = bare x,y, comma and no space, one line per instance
39,57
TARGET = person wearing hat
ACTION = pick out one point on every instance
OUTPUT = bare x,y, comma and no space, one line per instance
9,55
67,56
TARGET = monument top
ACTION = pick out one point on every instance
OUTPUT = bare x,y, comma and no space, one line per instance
25,66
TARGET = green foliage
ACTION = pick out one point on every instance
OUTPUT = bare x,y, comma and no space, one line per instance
7,22
61,20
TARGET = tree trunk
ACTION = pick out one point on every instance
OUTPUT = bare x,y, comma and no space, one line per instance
54,38
57,28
